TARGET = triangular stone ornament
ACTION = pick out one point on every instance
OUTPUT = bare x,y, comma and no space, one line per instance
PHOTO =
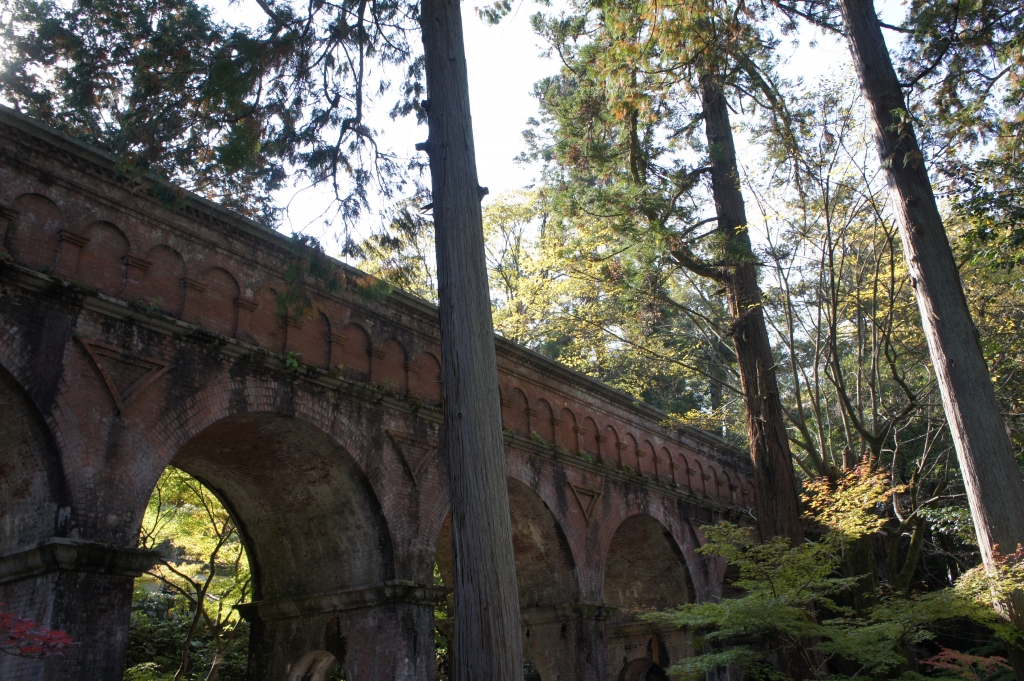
415,454
126,376
587,498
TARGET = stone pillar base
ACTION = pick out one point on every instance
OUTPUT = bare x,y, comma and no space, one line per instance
629,642
379,632
81,587
567,642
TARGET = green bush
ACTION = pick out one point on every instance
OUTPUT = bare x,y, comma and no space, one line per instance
159,624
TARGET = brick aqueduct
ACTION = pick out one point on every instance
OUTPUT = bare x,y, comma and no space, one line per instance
133,336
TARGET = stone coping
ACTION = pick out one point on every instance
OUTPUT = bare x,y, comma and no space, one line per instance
392,592
59,554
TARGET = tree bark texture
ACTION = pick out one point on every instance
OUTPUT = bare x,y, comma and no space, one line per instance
995,488
778,509
487,644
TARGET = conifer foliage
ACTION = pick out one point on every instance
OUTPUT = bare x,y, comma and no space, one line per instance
224,110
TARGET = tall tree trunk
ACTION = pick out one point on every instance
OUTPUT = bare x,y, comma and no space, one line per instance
488,641
778,509
995,488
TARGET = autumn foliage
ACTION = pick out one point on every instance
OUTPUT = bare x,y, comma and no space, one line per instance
23,637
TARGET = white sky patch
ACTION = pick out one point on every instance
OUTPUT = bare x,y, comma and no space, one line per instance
504,63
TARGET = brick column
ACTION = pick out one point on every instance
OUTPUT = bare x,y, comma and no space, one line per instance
337,341
7,216
377,355
244,328
137,268
71,245
567,642
83,588
380,632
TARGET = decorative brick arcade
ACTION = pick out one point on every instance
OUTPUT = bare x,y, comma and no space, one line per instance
133,336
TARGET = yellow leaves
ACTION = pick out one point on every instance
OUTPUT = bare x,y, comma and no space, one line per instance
991,585
849,507
711,421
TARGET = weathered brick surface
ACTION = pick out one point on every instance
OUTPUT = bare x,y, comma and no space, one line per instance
135,335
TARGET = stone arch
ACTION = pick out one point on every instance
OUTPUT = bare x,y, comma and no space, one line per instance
645,458
163,284
614,443
101,262
33,238
388,366
631,454
33,490
312,524
697,477
545,566
681,473
663,465
712,483
515,412
284,479
566,435
355,352
310,337
644,568
749,496
544,423
591,438
425,381
36,505
545,572
266,325
739,495
727,486
212,302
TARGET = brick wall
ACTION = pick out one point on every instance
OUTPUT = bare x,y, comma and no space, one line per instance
133,336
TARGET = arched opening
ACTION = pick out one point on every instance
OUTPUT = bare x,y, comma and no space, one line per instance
642,669
644,570
315,666
312,529
530,672
33,508
545,574
183,608
301,500
34,237
32,489
545,570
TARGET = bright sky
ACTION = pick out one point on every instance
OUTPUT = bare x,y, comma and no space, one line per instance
504,63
